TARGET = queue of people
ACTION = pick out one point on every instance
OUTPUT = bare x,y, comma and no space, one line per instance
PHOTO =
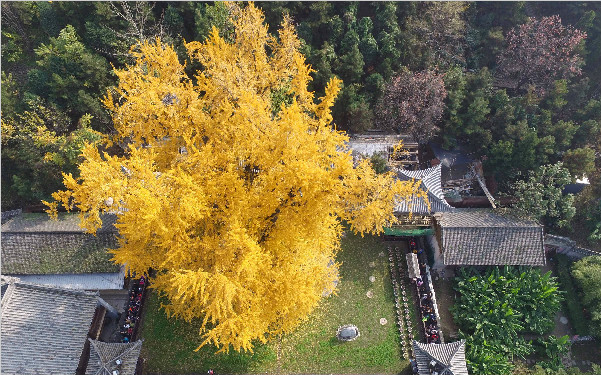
425,301
134,306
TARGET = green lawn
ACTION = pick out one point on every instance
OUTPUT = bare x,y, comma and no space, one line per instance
169,344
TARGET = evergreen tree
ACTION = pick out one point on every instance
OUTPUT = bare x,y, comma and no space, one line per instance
71,77
540,197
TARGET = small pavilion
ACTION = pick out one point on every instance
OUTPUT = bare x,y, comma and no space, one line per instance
415,215
441,359
108,357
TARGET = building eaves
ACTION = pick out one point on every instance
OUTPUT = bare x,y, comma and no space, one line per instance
44,329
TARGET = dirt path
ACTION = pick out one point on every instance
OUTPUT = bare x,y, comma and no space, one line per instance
445,296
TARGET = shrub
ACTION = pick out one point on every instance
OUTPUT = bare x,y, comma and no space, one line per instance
379,164
553,348
495,306
587,273
572,304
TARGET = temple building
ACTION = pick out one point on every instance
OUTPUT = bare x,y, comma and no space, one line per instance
457,236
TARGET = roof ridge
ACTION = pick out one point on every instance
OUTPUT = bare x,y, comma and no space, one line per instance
452,362
534,226
57,289
66,222
104,364
428,181
425,350
455,346
7,296
459,343
130,346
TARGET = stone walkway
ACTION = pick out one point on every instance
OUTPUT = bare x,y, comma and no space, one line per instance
117,299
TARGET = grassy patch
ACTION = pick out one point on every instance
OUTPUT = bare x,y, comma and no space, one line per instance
169,347
313,347
169,344
571,303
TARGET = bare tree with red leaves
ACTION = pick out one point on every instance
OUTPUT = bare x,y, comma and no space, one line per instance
413,103
539,52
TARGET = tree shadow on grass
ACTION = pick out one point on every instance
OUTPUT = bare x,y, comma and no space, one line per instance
333,341
234,362
356,255
170,343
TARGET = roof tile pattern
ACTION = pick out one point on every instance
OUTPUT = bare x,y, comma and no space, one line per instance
430,182
35,244
57,253
451,357
44,329
483,237
103,356
65,223
374,143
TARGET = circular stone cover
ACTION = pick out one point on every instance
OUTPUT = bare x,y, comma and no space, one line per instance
563,320
347,332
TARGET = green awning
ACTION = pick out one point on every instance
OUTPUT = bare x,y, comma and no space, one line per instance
408,231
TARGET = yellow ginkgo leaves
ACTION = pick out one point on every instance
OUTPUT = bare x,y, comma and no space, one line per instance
236,208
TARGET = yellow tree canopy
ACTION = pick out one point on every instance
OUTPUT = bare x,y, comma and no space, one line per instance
235,204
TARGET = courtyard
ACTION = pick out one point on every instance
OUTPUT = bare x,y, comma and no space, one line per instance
312,348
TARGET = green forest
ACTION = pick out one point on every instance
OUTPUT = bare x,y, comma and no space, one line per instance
517,84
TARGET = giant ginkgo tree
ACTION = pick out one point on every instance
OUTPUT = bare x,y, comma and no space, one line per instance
233,184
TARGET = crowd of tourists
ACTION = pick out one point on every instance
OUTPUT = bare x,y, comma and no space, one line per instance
134,307
426,305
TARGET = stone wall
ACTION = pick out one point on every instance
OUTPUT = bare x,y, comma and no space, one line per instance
568,247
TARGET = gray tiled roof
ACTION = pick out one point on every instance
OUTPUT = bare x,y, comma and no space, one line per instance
486,237
65,223
44,329
35,244
450,357
430,182
104,354
86,281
